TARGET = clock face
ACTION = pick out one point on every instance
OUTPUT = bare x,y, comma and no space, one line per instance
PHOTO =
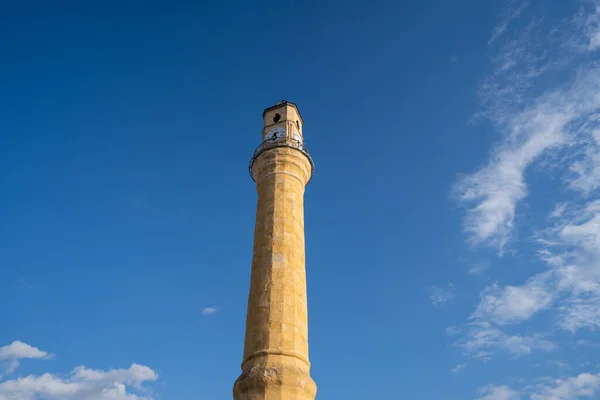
297,137
275,134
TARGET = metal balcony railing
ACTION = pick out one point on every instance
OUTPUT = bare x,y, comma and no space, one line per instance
288,142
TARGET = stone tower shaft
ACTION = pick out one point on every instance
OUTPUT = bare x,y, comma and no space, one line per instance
275,364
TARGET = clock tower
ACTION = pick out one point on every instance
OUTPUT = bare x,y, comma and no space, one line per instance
275,364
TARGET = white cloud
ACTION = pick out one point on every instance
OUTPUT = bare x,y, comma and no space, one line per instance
18,350
459,368
584,385
482,339
81,384
440,295
209,311
478,269
498,393
558,211
482,336
514,303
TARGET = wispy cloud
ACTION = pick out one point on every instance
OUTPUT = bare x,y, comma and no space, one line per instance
511,13
558,211
209,311
543,97
442,295
459,368
571,284
494,191
26,284
586,343
453,330
532,122
570,248
482,340
478,268
561,364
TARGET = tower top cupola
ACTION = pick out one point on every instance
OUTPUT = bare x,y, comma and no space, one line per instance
281,112
282,127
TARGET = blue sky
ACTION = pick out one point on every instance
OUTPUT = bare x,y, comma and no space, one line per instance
451,226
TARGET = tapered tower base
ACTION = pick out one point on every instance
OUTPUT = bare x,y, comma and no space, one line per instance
275,379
